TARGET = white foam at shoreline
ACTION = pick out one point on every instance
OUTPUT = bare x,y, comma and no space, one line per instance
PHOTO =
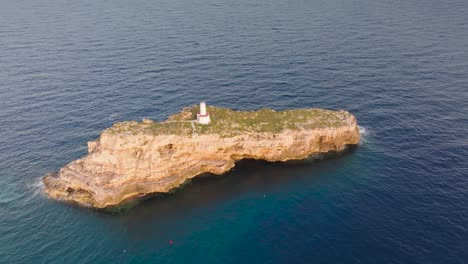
36,187
364,134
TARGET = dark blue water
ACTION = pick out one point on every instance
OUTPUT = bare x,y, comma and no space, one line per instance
69,69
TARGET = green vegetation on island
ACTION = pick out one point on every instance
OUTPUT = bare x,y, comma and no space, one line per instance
227,122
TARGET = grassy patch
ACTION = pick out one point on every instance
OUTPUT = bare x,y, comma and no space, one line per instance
227,122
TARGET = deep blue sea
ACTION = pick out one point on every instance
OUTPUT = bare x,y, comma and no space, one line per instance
69,69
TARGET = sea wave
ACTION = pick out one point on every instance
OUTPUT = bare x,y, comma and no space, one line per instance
9,194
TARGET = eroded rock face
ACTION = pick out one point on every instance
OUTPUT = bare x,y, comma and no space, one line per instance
121,166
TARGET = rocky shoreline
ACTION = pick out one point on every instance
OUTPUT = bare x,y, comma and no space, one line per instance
133,159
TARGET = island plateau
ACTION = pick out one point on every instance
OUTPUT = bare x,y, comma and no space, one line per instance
133,159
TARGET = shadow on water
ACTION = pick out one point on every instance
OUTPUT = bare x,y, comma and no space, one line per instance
248,176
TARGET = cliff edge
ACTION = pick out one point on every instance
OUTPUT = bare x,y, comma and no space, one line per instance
132,159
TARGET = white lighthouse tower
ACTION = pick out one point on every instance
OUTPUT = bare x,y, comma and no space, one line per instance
203,117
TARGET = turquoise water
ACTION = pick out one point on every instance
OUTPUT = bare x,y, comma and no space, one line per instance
69,69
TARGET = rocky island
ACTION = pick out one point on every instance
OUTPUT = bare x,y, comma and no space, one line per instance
133,159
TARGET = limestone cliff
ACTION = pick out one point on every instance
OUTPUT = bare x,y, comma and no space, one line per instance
132,159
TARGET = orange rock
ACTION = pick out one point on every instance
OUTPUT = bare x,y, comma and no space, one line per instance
121,166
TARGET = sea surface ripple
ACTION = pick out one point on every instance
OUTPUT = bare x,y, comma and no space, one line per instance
69,69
